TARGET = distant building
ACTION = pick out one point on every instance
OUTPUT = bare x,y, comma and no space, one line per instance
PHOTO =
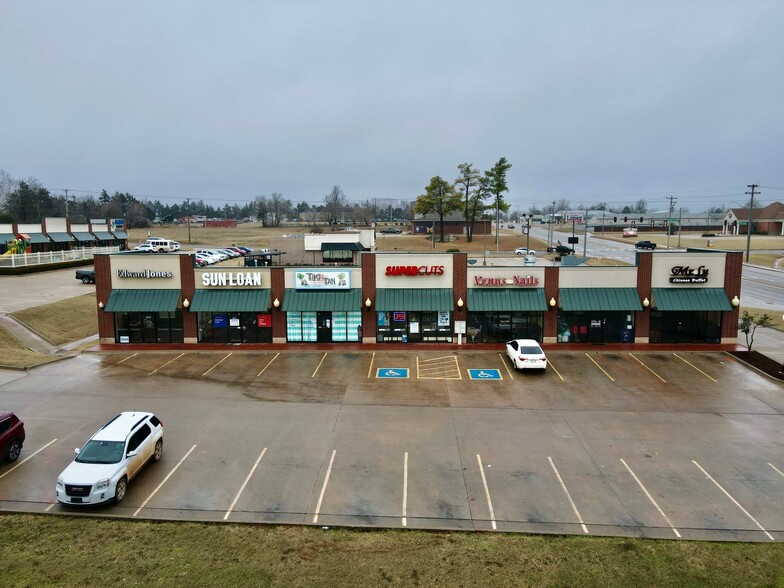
768,220
454,224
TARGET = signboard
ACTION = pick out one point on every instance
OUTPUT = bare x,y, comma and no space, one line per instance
443,319
220,279
574,216
522,281
219,320
485,374
399,317
234,321
684,274
263,320
460,327
322,280
144,274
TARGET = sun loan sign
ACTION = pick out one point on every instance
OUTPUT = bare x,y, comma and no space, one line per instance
231,279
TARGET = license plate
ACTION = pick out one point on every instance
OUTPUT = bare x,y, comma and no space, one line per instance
76,499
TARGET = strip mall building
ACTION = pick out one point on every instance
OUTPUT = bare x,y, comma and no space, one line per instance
668,297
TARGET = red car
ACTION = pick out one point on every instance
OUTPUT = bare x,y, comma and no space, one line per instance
12,436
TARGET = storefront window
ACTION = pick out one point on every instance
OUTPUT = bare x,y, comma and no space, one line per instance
323,326
234,327
499,327
701,326
414,327
596,326
148,327
338,256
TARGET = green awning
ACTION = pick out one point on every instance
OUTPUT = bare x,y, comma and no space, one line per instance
104,235
83,236
328,300
619,299
414,299
38,238
690,299
60,237
6,237
143,301
230,300
342,247
120,234
506,299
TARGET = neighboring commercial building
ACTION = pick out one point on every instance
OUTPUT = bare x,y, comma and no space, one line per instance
668,297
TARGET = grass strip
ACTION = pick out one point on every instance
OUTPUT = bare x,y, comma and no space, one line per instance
62,321
63,551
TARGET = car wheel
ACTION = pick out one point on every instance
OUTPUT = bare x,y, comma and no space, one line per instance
156,456
122,488
14,449
85,280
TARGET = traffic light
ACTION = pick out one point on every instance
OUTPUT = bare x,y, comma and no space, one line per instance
626,219
615,219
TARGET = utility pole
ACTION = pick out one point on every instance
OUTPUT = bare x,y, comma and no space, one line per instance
672,200
748,228
66,203
680,221
188,202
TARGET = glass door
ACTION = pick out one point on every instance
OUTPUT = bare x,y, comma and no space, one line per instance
324,327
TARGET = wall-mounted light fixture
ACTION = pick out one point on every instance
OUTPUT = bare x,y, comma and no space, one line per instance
276,303
186,303
645,302
552,303
100,304
735,302
368,302
460,303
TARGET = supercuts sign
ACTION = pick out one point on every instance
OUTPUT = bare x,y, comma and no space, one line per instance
415,270
522,281
684,274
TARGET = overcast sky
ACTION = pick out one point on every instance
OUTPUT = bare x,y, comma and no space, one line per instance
223,101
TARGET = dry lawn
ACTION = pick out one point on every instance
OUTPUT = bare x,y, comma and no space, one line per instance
16,356
64,321
77,551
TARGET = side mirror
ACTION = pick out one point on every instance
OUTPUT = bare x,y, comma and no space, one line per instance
76,450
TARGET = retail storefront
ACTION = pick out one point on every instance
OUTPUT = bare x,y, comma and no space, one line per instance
688,299
414,303
145,300
321,306
232,306
504,304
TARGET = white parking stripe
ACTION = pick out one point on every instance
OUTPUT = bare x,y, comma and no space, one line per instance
735,502
245,483
405,489
318,366
266,366
487,491
569,496
661,512
159,486
118,363
324,487
777,469
216,365
165,364
26,459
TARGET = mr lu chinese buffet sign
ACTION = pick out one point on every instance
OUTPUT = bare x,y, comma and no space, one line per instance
322,280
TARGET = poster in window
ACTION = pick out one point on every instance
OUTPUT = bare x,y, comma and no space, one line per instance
399,317
443,319
263,320
413,328
219,320
234,321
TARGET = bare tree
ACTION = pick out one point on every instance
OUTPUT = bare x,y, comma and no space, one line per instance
334,205
279,207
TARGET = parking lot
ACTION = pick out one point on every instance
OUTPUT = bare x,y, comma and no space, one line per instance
686,445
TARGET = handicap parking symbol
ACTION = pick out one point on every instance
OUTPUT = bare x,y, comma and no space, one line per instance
485,374
392,373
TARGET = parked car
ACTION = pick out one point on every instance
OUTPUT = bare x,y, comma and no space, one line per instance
523,251
390,231
86,276
201,260
214,254
229,252
12,436
243,248
510,226
145,248
645,245
110,459
237,250
526,354
561,250
175,245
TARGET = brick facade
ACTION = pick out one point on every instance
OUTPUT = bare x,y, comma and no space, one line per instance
277,291
460,286
642,323
733,270
188,287
369,292
550,326
103,287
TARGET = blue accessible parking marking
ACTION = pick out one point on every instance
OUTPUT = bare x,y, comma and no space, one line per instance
485,374
392,373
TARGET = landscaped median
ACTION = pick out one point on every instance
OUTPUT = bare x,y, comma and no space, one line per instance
72,551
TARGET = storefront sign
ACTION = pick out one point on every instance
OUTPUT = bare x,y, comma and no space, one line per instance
684,274
414,270
460,327
263,320
231,279
234,321
523,281
443,319
219,320
322,280
146,274
399,317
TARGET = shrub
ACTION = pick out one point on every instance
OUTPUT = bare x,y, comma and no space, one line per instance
453,251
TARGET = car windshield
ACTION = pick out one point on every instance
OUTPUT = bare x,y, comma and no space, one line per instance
101,452
531,350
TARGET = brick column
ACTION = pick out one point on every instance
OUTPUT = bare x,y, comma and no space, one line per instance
277,290
460,286
103,287
642,323
187,288
733,268
550,323
369,291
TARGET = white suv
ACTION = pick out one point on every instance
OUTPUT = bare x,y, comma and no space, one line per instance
114,455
